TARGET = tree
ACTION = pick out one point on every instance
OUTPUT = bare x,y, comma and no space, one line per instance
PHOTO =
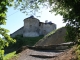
69,9
5,39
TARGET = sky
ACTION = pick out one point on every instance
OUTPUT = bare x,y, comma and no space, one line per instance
15,19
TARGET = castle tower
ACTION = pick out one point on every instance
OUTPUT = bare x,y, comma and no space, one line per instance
31,27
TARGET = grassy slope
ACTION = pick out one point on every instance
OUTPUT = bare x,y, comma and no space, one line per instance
22,41
10,55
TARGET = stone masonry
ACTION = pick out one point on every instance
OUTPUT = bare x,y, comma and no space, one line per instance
33,28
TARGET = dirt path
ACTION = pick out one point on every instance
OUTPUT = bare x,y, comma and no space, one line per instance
33,54
67,55
29,54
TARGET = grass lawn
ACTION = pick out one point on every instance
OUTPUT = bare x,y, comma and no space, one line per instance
9,55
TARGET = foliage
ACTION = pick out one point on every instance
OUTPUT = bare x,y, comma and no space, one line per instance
30,6
78,52
5,39
22,41
1,54
9,55
70,34
69,10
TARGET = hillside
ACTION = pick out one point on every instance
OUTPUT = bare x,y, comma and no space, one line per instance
53,38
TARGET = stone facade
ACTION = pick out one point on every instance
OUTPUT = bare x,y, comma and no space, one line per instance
18,32
33,27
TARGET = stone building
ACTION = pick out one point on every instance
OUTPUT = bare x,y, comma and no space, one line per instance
33,27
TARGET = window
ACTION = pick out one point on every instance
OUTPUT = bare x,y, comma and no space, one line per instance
30,25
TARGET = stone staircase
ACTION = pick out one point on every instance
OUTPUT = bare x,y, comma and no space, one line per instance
50,51
44,52
61,46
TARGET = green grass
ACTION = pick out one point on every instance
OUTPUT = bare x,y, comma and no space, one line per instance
22,41
10,55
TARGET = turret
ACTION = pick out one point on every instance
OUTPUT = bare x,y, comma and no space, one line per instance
31,26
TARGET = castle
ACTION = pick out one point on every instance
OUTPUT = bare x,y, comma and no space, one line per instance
33,28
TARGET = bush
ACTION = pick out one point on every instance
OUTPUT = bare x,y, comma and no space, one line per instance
78,52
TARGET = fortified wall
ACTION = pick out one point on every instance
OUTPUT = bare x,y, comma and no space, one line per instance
33,28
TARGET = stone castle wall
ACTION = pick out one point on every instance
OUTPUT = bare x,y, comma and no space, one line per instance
18,32
45,28
33,27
